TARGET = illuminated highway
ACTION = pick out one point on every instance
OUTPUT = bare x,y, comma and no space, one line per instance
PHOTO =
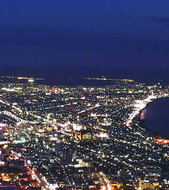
82,137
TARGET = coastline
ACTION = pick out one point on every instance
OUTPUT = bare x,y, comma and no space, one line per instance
143,121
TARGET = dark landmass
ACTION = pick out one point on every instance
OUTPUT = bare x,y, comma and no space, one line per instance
74,75
49,47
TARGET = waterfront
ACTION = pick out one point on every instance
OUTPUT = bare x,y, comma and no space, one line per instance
81,137
157,117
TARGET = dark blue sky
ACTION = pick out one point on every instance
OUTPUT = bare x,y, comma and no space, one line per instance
84,32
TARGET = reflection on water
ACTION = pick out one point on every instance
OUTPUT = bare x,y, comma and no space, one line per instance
157,117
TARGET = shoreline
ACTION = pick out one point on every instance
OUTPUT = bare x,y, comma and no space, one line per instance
143,121
141,105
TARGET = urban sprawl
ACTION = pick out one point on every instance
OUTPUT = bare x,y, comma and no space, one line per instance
60,137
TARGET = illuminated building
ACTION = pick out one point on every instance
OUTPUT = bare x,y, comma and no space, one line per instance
2,162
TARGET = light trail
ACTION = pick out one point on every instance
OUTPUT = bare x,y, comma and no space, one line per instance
91,108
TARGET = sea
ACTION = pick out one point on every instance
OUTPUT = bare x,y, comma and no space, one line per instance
157,117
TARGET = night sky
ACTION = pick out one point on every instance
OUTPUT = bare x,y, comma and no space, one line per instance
49,33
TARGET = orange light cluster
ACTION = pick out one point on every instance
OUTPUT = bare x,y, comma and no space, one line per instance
78,136
161,141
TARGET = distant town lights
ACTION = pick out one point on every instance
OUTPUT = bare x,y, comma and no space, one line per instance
31,80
